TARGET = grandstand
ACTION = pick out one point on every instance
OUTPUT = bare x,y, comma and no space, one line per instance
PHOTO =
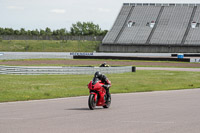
155,28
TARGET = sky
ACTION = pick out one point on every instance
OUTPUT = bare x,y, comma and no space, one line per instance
57,14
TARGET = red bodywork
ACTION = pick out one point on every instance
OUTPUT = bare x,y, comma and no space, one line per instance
98,91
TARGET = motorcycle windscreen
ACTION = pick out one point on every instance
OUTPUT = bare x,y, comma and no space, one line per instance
94,81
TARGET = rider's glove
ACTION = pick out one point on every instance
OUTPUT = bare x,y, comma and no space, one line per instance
104,86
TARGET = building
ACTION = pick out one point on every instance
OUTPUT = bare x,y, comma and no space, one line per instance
155,28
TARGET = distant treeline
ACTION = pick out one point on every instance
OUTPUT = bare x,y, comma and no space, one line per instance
78,29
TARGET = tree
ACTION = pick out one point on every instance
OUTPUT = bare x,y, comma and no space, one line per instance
72,32
35,32
16,32
23,32
85,28
8,31
103,33
63,32
76,29
1,31
48,31
80,28
56,32
29,33
42,32
92,28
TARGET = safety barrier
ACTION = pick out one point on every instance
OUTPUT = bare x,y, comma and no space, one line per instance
37,70
134,58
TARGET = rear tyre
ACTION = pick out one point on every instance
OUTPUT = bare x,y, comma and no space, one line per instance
108,102
91,102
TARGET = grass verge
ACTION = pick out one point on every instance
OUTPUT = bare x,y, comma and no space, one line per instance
48,46
30,87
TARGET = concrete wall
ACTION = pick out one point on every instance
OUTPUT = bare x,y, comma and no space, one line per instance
150,48
33,55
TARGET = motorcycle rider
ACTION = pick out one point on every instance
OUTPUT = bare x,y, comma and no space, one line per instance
104,79
104,65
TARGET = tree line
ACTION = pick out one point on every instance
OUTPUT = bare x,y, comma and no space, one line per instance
77,29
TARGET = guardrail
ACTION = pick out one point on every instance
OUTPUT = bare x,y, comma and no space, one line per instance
34,55
30,70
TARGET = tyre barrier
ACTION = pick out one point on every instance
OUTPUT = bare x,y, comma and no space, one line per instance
38,70
132,58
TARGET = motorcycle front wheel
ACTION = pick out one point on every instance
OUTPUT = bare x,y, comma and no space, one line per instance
91,102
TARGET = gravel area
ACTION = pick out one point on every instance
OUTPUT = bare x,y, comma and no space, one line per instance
93,62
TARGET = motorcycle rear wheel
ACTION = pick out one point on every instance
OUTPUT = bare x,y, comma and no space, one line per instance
108,102
91,102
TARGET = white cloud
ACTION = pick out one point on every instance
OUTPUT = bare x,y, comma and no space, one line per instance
103,10
59,11
15,7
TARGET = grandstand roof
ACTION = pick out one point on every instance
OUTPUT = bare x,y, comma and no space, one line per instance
162,4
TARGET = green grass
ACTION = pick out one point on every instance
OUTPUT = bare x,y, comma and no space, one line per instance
29,87
48,46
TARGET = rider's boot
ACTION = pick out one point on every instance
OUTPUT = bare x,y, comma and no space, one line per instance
108,94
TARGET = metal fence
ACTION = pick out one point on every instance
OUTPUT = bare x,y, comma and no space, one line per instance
26,37
29,70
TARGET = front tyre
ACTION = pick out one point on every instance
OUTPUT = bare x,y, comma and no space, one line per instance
91,102
108,102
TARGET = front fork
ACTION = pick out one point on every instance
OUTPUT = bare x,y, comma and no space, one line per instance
95,96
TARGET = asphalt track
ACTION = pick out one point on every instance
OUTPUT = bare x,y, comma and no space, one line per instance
150,112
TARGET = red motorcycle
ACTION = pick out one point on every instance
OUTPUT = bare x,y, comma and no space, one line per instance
98,95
